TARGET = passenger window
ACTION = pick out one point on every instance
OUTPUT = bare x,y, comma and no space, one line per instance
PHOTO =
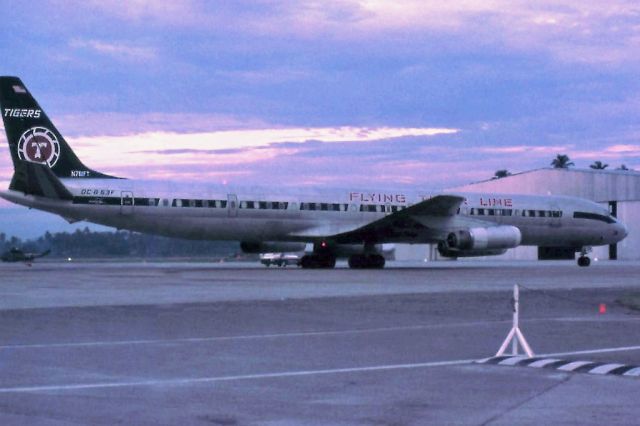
165,202
480,212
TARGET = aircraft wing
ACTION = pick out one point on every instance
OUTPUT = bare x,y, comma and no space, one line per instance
408,223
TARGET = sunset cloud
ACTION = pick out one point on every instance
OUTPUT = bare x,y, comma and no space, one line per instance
115,50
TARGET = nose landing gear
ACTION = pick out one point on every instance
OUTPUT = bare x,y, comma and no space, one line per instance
584,260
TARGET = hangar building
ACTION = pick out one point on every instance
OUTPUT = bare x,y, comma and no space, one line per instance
617,189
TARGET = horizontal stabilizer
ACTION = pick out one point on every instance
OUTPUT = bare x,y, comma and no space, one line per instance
38,179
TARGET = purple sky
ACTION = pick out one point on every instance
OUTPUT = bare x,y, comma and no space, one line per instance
371,93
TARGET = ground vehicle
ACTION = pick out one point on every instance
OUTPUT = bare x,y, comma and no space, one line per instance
279,259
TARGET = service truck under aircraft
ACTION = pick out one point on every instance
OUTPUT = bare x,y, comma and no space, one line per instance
49,176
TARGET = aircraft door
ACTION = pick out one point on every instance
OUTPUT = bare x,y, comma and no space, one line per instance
555,216
127,202
232,205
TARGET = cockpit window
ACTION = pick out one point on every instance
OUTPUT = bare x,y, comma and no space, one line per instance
593,216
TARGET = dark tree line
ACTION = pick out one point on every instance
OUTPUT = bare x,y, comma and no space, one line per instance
88,244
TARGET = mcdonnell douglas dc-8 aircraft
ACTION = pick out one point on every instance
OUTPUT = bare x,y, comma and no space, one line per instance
49,176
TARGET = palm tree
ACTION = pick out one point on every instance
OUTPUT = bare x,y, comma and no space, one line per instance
562,161
597,165
501,173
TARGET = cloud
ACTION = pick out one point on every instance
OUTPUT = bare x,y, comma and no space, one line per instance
228,148
179,13
126,124
525,149
275,75
624,149
119,50
573,30
234,139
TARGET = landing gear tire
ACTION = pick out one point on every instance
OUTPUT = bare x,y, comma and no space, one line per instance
314,261
584,261
366,261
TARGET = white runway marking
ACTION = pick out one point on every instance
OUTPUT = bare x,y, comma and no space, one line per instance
634,372
604,369
574,365
596,351
248,337
283,374
196,380
543,362
286,335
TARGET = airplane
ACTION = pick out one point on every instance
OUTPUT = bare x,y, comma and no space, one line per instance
337,223
17,255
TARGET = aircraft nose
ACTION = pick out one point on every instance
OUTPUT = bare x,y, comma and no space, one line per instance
621,230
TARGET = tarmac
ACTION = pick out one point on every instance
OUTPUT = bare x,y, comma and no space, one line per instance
240,344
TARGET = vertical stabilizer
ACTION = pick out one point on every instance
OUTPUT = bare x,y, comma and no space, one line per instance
33,137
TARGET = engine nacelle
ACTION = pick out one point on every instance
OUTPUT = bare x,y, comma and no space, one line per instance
271,247
495,237
455,253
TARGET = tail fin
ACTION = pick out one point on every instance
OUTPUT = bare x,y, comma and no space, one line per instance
33,137
43,254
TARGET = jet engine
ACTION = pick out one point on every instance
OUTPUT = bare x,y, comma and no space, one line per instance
271,247
447,252
480,241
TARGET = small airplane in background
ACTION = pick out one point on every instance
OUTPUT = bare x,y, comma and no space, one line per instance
17,255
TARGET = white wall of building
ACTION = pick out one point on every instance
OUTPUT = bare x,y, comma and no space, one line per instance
629,214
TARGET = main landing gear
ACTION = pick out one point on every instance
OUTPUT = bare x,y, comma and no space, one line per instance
584,260
366,261
317,261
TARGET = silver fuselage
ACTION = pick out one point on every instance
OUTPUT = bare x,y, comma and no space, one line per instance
220,212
